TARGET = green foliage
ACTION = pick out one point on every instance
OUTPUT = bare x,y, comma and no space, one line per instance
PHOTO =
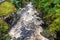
50,11
55,26
6,8
3,25
3,29
6,37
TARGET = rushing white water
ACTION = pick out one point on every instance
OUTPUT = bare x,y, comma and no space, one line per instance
28,26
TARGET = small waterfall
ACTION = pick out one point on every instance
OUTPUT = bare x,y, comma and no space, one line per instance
28,27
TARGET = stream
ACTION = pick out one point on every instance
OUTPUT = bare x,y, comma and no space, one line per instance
28,26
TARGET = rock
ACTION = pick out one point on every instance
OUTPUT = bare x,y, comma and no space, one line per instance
38,37
50,36
1,1
12,19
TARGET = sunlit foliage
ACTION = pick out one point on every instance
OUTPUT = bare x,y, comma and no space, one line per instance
6,8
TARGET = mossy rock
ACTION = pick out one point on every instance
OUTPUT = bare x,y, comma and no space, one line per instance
6,8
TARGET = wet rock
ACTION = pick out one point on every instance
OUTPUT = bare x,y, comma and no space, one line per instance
1,1
12,19
38,37
49,35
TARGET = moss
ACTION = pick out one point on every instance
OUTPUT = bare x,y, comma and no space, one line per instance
6,8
